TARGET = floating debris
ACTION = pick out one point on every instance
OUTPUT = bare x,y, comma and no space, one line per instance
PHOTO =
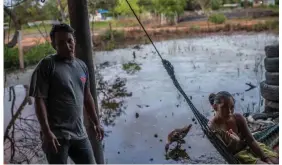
137,115
131,67
137,47
156,135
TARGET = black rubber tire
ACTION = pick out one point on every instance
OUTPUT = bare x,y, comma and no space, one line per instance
272,78
268,109
272,51
269,92
271,104
271,64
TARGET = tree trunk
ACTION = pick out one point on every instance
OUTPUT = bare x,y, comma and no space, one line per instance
17,24
111,31
61,10
78,13
175,19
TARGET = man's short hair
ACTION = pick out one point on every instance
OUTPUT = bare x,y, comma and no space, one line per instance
62,27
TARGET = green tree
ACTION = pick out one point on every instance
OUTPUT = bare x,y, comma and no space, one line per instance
122,7
50,9
93,5
192,5
216,4
147,5
170,8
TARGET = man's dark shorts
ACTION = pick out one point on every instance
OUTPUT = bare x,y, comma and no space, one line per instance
80,151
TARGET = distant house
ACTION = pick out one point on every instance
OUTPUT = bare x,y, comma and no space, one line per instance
100,15
235,5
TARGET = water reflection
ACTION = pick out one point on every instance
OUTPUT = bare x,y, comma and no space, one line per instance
177,154
111,97
21,138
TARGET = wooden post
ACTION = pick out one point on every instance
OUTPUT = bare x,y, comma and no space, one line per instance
78,13
111,31
21,58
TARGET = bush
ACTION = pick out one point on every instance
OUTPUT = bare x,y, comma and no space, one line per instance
31,57
215,4
272,24
260,27
195,28
118,35
217,18
110,46
11,57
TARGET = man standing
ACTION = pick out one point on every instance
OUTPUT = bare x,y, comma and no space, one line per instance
60,86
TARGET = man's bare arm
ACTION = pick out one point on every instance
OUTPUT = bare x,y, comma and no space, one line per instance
41,113
90,107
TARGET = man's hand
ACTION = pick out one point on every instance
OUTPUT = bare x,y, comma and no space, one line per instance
99,132
51,139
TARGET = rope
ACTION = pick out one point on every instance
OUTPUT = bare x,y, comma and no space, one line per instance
144,30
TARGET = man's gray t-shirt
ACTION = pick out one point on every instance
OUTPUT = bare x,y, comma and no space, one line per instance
61,84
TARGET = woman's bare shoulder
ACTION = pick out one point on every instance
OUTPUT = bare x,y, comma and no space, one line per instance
213,123
239,117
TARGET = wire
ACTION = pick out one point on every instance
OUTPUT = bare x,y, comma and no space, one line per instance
144,29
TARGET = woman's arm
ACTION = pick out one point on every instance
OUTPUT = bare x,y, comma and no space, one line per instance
248,137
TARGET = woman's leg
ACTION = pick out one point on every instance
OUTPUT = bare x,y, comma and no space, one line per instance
261,162
274,160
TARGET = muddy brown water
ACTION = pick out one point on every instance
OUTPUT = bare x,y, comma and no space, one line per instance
145,106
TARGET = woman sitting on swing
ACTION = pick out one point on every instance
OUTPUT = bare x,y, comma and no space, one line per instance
234,132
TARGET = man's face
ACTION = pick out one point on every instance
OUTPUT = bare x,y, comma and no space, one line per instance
64,44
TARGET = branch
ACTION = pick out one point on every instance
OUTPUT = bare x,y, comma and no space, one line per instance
17,114
251,86
17,24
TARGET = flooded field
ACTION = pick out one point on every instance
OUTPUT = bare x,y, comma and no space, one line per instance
140,105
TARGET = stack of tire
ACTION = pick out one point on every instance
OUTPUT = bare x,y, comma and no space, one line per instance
270,87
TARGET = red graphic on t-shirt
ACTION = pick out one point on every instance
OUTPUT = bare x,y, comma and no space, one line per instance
83,79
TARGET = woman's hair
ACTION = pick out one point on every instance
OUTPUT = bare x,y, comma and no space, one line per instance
216,98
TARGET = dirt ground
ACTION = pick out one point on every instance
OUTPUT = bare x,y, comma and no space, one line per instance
159,33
